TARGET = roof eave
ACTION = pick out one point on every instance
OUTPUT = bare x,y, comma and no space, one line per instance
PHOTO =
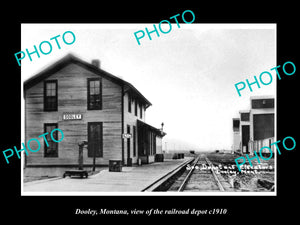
55,67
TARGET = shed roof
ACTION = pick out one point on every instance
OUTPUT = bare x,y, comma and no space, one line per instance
158,132
70,58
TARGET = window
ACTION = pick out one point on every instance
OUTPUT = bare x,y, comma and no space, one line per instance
94,94
50,150
262,103
245,116
135,107
50,95
236,125
129,103
141,111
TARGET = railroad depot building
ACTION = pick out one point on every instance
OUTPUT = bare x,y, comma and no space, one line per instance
87,104
255,127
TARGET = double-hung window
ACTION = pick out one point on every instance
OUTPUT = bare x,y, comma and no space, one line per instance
50,95
94,94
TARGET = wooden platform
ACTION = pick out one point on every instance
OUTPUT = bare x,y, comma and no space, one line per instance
131,179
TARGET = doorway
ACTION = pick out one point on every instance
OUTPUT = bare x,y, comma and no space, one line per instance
129,159
95,142
245,137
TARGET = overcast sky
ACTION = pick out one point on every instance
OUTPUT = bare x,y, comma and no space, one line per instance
188,74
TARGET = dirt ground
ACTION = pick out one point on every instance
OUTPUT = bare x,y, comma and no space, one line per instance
259,178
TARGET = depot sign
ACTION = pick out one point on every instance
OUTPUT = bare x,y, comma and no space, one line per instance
72,116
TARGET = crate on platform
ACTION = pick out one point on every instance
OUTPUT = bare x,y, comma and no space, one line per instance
159,157
115,166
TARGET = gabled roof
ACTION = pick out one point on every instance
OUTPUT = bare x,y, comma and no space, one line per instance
69,59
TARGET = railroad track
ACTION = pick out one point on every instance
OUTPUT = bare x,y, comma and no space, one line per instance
194,180
157,185
199,178
199,175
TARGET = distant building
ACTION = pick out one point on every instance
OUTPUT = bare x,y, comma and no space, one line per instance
245,130
256,127
87,104
236,135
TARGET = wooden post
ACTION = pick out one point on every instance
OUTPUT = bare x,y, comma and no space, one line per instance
80,157
94,160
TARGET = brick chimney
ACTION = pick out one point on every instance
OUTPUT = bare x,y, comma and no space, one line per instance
96,62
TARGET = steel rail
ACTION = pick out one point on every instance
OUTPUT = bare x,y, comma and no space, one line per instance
165,177
183,184
220,186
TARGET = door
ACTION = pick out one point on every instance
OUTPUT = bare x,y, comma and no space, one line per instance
245,137
263,125
129,160
134,140
95,142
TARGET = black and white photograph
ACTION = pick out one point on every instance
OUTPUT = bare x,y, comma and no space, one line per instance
145,112
105,114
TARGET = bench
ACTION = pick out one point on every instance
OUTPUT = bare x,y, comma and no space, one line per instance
80,173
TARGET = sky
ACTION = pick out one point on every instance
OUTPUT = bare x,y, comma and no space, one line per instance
187,74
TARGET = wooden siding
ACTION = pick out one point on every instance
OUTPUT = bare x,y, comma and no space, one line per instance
72,97
131,120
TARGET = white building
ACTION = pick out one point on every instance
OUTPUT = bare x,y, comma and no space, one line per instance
256,126
236,135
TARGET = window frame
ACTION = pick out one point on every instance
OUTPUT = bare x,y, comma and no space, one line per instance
263,103
88,94
245,116
46,103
